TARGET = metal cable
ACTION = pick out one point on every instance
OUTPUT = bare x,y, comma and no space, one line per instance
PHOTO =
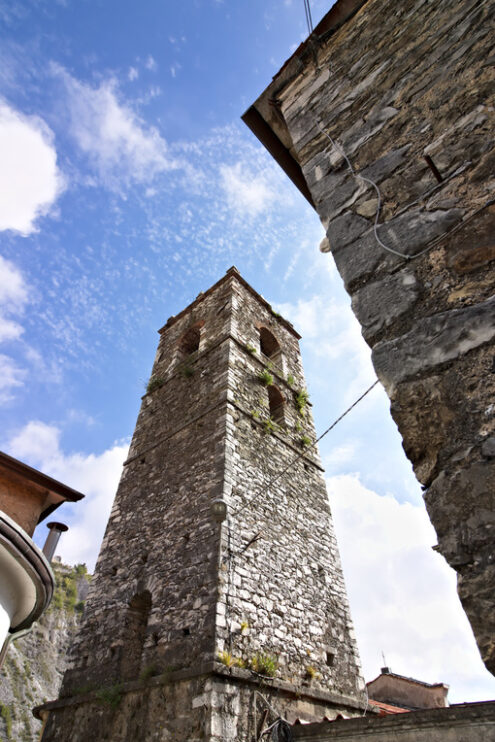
301,455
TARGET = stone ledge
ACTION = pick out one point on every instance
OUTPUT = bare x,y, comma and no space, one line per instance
206,668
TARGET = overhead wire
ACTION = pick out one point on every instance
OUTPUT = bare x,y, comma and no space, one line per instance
309,19
297,458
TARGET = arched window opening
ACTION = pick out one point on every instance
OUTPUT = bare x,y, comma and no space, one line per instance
269,345
277,404
189,342
135,623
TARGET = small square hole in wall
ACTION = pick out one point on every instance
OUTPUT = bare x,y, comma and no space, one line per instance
329,658
186,631
306,467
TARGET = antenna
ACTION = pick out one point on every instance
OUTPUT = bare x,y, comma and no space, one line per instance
385,669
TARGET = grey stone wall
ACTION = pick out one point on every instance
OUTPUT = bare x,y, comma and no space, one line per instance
393,85
210,702
173,589
469,722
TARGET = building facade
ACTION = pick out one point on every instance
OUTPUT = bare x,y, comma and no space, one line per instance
384,119
218,590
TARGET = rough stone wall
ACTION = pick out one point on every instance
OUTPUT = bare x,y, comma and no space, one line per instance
172,587
35,664
394,84
470,722
283,594
213,704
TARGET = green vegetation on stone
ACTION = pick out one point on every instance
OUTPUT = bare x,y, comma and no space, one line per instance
154,383
264,664
265,377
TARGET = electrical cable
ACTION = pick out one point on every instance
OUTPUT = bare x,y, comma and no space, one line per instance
309,19
301,455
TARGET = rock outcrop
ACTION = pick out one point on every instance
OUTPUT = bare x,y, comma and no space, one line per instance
35,664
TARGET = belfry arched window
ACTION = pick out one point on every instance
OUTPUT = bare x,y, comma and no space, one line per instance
189,342
269,344
276,403
270,348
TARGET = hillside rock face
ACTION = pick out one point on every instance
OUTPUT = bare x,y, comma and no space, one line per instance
35,664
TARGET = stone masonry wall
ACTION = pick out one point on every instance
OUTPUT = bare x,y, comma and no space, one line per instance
469,722
173,589
283,594
395,84
215,704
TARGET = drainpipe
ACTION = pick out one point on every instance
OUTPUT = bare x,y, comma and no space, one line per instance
56,529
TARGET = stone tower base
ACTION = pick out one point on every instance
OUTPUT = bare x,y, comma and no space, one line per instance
211,702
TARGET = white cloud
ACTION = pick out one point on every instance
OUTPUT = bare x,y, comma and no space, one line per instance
95,475
133,73
30,181
11,376
331,332
246,192
340,455
13,298
120,146
402,594
150,63
13,288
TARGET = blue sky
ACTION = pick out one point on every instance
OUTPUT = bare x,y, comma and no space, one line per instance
129,184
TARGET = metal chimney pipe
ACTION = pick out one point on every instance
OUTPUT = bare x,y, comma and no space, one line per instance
52,539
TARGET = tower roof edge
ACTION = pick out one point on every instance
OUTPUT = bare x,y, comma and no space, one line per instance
231,273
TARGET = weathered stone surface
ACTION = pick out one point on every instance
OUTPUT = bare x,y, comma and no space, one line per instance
173,588
420,87
358,254
470,722
466,541
488,447
474,246
434,341
378,304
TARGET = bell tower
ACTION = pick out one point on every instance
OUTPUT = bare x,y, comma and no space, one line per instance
219,570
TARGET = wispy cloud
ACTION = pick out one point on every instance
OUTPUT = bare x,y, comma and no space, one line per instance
150,63
247,192
13,299
402,593
120,146
95,475
30,181
331,333
133,73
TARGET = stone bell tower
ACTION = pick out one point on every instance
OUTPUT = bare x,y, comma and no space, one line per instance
219,571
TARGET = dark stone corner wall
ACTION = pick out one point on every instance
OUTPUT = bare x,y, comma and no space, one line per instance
406,91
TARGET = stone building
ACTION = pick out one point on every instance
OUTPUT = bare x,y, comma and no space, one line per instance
383,118
196,624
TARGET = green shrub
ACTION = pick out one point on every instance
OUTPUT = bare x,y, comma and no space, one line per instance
265,377
312,673
290,380
251,349
264,664
305,441
155,382
226,658
269,426
187,371
110,696
302,398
